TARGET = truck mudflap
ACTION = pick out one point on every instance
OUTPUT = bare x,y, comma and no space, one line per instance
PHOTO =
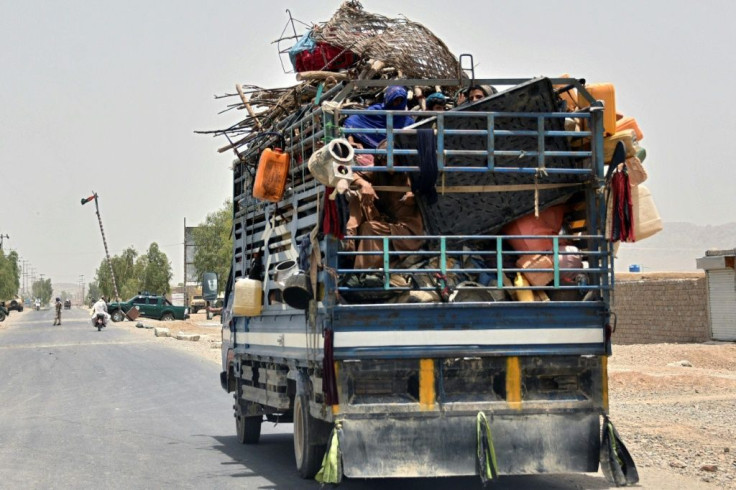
431,446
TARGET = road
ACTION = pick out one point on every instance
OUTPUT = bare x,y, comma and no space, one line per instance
86,409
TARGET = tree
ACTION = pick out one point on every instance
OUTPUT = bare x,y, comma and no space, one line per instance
149,272
124,267
9,275
93,293
42,290
213,244
155,271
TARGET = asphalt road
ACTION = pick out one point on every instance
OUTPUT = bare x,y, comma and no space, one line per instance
86,409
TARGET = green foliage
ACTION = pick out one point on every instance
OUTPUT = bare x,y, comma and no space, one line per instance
155,271
93,294
124,267
133,273
9,275
213,244
43,290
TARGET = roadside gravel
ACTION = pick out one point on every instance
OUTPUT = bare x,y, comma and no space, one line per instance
674,406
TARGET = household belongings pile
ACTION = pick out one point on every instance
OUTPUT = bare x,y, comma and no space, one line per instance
356,44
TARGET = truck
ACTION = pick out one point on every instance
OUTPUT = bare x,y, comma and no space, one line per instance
471,354
152,306
197,303
15,303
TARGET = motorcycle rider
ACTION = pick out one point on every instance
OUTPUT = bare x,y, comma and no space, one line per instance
100,308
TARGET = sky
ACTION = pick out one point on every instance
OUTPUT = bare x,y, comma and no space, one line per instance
105,96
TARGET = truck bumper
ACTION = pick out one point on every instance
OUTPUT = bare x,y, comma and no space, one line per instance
431,446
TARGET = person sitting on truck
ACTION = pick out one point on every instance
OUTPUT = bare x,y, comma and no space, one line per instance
382,213
475,93
436,101
394,100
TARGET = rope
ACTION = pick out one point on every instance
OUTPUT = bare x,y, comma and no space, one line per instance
543,173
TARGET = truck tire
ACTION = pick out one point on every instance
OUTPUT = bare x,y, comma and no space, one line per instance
2,316
194,310
167,317
308,449
248,429
118,316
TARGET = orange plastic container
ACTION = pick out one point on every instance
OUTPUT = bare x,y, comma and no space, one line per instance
606,93
273,169
571,96
628,122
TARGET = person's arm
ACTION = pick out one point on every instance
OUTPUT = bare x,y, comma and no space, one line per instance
367,193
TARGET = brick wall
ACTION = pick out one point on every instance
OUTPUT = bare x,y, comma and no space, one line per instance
672,310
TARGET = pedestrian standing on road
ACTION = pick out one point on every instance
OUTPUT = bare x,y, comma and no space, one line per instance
57,318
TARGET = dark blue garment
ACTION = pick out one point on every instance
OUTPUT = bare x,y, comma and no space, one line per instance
378,121
424,182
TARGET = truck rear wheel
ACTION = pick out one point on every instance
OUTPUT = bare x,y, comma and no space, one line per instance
308,447
118,316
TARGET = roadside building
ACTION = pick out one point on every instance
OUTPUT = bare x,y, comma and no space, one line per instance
721,292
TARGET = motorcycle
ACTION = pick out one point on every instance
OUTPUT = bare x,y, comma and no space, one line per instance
100,321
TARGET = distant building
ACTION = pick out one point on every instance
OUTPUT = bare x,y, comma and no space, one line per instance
721,291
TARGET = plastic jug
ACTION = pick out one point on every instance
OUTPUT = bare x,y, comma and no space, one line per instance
607,93
248,294
522,294
273,169
628,122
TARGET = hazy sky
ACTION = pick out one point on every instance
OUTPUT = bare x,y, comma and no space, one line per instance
105,96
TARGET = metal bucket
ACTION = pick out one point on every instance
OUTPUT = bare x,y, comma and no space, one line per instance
297,291
283,270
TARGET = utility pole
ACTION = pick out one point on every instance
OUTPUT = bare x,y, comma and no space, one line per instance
186,290
85,200
1,239
81,283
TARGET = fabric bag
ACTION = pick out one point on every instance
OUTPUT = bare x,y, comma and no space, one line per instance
647,221
537,262
637,174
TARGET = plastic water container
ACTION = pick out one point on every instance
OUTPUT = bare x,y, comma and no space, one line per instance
628,122
522,294
273,169
248,294
634,268
607,93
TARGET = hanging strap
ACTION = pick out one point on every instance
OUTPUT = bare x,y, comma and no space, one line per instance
486,454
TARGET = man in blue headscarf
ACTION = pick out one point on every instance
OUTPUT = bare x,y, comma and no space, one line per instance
394,100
